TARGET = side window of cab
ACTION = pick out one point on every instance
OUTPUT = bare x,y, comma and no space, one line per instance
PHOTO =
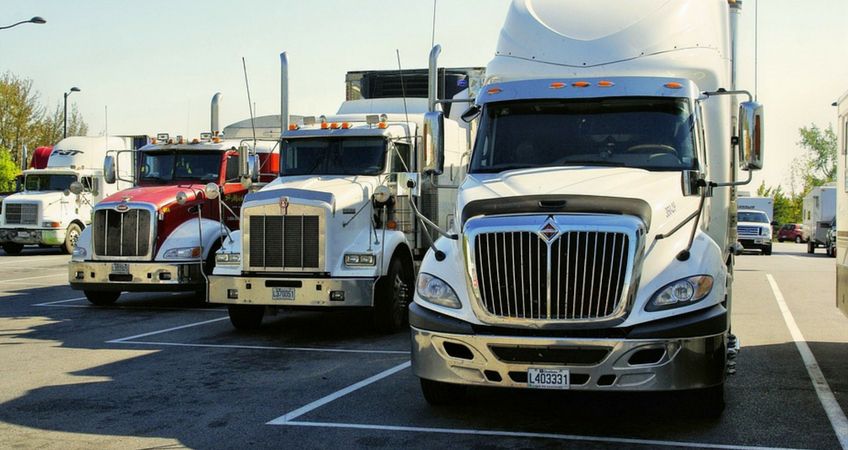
231,174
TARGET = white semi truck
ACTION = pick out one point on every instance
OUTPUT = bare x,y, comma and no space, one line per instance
337,228
594,240
56,202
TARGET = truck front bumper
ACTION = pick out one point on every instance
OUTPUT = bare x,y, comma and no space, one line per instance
138,276
46,236
610,364
292,292
758,242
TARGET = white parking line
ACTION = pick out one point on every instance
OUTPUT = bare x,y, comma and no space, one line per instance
167,330
522,434
282,420
268,347
831,407
75,299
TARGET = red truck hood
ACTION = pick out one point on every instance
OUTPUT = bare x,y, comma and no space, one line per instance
158,196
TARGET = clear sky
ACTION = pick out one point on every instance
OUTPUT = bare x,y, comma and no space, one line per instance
157,63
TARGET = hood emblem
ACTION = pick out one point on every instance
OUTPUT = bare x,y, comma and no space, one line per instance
549,230
122,208
284,205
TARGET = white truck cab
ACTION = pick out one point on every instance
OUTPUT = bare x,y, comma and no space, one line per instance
56,202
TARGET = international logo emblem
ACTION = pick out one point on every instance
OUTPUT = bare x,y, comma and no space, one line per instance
549,230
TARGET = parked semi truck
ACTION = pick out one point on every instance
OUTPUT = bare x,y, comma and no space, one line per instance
594,235
819,209
162,234
55,203
337,228
842,203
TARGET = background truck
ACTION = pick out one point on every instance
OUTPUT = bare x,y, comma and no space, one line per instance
819,209
594,235
49,211
161,234
337,228
754,229
764,204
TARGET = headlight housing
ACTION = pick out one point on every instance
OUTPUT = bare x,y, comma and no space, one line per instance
182,253
51,224
436,291
682,292
360,259
227,258
79,252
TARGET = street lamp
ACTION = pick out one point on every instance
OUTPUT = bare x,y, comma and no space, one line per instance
65,120
35,19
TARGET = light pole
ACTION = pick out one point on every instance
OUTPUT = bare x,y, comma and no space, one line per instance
65,120
35,19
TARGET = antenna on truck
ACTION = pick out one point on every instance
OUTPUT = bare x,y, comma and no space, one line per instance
249,101
433,36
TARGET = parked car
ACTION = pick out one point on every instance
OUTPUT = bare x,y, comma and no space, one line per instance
791,232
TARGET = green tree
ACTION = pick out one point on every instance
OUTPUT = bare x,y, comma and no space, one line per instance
817,164
8,171
787,207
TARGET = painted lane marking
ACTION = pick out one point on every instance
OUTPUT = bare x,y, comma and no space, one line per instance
267,347
167,330
831,407
75,299
286,418
523,434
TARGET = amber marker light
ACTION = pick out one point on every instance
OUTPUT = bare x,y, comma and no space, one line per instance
581,84
605,84
293,126
334,126
345,125
557,85
673,85
325,125
494,90
391,224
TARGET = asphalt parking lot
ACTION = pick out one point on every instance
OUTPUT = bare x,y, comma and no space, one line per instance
165,371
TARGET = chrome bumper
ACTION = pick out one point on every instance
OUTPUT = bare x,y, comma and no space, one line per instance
141,276
686,363
307,291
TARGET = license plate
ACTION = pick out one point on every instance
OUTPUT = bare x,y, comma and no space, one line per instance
121,268
282,293
23,234
548,378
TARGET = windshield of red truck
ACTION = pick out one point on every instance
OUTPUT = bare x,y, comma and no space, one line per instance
179,166
333,156
48,182
654,133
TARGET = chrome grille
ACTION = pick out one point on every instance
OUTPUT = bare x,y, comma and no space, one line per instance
21,214
748,230
117,234
284,242
579,275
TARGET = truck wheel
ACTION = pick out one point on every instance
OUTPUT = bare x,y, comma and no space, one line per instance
438,393
710,401
246,317
811,248
767,250
102,298
391,302
71,238
779,239
797,239
12,248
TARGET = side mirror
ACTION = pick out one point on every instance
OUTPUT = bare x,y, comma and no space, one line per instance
253,165
434,143
470,114
76,188
751,134
109,174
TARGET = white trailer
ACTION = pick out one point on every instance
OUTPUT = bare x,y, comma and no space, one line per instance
819,209
842,204
594,238
56,202
336,229
764,204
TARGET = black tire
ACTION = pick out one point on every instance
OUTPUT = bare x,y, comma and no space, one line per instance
437,393
710,401
102,298
811,248
767,250
798,239
246,317
779,239
392,296
12,248
71,237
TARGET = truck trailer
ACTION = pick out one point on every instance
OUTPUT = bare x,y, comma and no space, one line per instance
819,209
842,203
594,239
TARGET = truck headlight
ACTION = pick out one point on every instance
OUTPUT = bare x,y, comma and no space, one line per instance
681,293
79,252
227,258
436,291
359,259
182,253
51,224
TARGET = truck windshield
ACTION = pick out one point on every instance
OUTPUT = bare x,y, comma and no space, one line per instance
179,166
654,133
333,156
48,182
752,216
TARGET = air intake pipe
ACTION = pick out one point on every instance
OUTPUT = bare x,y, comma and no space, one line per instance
214,109
433,78
284,93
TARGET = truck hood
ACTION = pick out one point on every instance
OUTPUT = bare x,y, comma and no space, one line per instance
338,192
158,196
660,190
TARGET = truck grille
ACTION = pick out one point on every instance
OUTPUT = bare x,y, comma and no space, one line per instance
579,275
750,231
284,242
121,234
21,214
